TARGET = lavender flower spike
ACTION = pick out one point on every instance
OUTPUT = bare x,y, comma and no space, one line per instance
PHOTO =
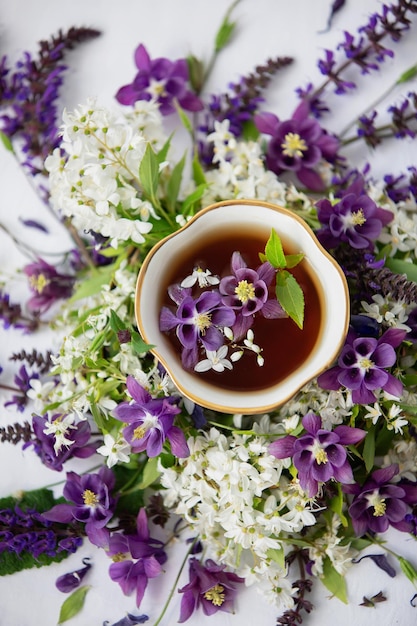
150,421
319,455
362,366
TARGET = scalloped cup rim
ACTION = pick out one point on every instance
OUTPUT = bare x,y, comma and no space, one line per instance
335,302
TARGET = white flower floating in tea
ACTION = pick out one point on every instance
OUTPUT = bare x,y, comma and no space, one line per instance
216,312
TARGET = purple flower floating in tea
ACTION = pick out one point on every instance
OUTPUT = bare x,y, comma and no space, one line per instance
320,454
214,314
362,366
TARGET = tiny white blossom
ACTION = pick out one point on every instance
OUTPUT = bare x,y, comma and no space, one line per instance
60,428
215,360
39,392
203,277
116,450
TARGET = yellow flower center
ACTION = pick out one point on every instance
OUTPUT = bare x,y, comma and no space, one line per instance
245,291
293,145
215,595
139,432
203,321
358,218
39,282
321,456
119,557
366,364
379,507
90,498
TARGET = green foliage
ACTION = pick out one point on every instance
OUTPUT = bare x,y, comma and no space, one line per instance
402,267
6,141
73,604
149,173
334,581
291,297
226,30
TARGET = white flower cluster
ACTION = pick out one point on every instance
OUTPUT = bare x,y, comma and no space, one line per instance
233,494
96,182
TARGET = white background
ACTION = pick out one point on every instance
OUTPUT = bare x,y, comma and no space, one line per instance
175,28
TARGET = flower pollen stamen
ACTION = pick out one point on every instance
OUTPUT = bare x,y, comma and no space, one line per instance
358,218
293,145
245,291
215,595
90,498
366,364
203,321
38,283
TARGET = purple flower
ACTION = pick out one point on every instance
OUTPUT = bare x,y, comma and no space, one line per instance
355,219
297,145
362,366
47,285
162,80
22,382
197,321
318,455
44,444
129,620
246,291
378,504
210,587
138,557
91,503
150,421
68,582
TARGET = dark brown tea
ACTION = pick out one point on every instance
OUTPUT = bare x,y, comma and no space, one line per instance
284,346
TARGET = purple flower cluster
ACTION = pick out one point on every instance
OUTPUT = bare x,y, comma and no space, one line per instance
362,366
209,587
150,421
28,531
320,454
162,80
199,321
298,145
137,558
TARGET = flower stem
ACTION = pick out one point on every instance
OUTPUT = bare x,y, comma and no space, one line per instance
174,586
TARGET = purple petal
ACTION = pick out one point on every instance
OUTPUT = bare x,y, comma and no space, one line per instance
60,513
34,224
311,423
266,123
178,442
283,448
344,474
237,262
136,390
348,435
273,310
167,320
142,59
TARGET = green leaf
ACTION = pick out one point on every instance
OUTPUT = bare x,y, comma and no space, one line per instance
185,120
198,172
277,555
174,183
294,259
163,152
188,206
226,29
407,75
336,505
290,296
116,323
6,141
150,473
250,131
402,267
73,604
149,172
369,449
92,285
195,73
334,581
408,569
274,251
139,345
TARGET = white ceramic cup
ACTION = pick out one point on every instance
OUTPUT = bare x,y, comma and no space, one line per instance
239,214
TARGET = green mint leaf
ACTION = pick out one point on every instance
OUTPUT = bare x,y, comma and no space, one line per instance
334,581
294,259
116,323
198,172
174,183
73,604
402,267
185,120
149,172
138,344
93,284
274,251
290,296
190,203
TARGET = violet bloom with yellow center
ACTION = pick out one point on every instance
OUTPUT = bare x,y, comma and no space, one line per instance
197,321
362,366
210,587
298,145
319,455
246,292
47,285
150,421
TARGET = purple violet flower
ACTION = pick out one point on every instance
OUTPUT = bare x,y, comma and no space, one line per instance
210,587
90,502
320,454
246,291
379,504
297,145
150,421
162,80
44,444
196,321
132,575
355,219
22,381
47,285
362,366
